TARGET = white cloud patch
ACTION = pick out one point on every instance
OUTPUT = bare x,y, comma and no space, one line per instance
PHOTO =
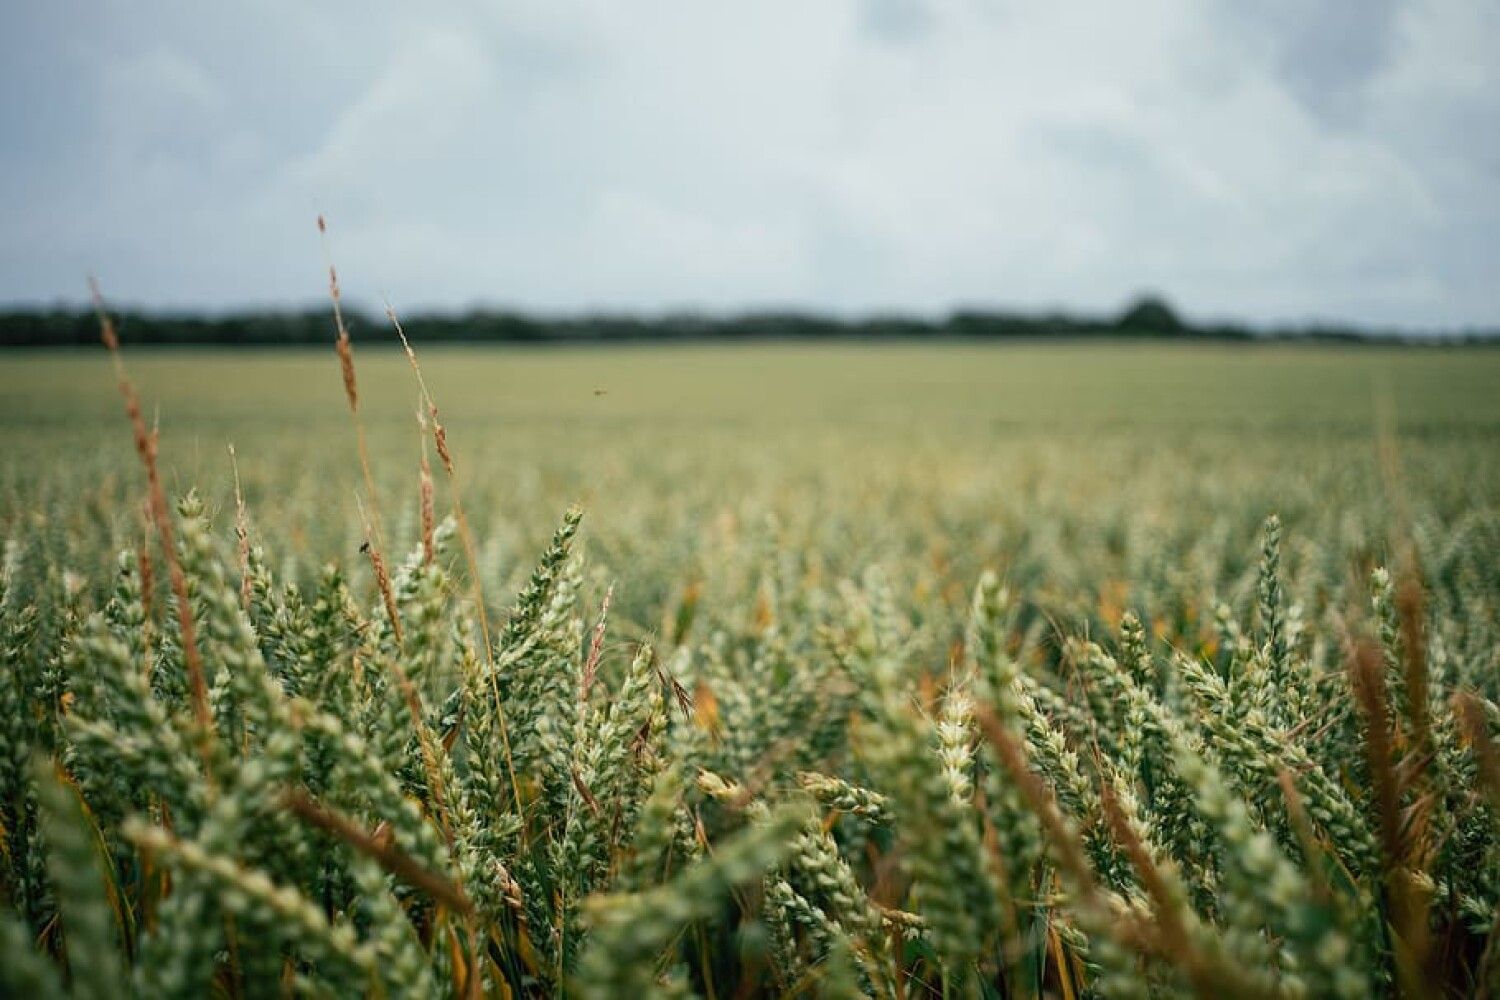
1275,164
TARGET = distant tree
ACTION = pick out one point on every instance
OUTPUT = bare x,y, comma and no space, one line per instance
1147,316
1151,315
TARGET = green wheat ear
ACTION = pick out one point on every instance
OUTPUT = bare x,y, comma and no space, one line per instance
630,929
83,885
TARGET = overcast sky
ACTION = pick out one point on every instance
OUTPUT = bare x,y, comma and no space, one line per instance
1270,161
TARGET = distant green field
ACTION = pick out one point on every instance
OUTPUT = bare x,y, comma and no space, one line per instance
894,451
1076,386
879,444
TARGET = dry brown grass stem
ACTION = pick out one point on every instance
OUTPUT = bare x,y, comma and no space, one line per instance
1089,901
1067,848
371,548
596,647
1410,596
1470,712
465,535
1406,901
145,446
403,866
345,350
408,690
425,744
1010,926
1411,605
1211,976
426,501
466,539
1471,720
1168,908
1302,826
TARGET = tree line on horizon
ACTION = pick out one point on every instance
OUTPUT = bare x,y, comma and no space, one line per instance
1147,317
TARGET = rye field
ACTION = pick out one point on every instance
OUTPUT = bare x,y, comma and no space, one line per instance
1021,670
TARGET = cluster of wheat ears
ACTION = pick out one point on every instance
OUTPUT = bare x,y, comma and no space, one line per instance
220,782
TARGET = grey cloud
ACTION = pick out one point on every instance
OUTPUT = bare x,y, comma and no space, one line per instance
1326,53
896,20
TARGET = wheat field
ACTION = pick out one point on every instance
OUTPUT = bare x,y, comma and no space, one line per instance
1036,669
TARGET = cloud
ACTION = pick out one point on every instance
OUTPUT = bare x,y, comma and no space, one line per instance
1275,163
1325,54
896,20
